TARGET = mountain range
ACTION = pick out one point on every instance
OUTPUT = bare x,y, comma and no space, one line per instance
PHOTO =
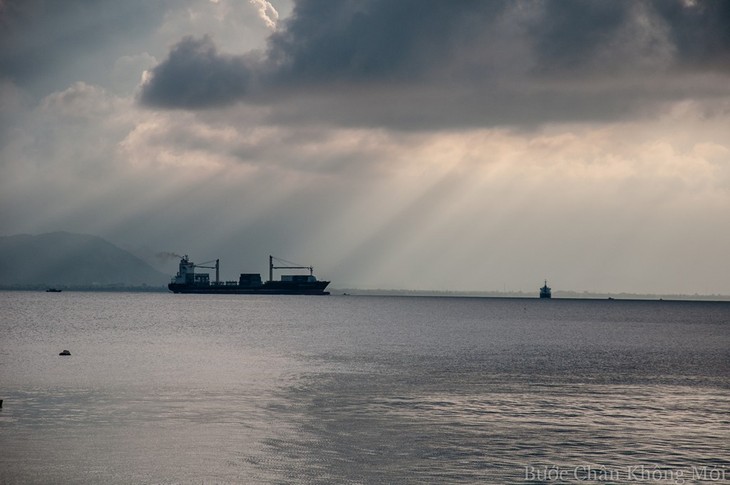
67,259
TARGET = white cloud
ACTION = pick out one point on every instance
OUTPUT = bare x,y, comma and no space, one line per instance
266,12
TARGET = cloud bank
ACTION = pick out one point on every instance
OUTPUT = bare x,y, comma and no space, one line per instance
432,65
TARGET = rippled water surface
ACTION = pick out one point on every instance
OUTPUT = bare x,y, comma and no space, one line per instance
164,388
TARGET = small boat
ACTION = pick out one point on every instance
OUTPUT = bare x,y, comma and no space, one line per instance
53,290
545,291
65,352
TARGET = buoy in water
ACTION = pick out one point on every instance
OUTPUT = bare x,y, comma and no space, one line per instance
65,352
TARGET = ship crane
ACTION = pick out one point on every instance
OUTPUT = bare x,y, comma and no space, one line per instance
216,268
290,266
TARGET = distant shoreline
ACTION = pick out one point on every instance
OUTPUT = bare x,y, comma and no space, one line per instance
557,295
101,289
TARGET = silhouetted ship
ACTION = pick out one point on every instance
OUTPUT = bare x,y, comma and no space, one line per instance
188,281
545,291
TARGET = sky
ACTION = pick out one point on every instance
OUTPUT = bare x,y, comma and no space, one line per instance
412,144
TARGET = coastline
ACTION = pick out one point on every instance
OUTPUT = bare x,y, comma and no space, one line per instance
557,295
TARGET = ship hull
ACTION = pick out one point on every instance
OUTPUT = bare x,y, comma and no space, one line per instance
268,288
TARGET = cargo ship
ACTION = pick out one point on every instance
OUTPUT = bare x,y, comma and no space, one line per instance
188,281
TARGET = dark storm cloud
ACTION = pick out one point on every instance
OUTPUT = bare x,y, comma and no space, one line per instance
325,43
430,63
700,31
195,75
569,33
356,40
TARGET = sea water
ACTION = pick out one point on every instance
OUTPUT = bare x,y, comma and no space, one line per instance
164,388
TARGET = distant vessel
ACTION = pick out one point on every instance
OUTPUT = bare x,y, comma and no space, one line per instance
545,291
188,281
53,290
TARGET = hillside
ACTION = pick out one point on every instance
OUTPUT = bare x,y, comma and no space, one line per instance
71,260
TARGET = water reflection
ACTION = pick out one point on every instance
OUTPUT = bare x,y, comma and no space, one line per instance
186,389
405,429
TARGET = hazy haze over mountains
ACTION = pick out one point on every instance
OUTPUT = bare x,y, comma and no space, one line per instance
67,259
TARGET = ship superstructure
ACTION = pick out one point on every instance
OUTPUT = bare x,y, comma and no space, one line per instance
188,281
